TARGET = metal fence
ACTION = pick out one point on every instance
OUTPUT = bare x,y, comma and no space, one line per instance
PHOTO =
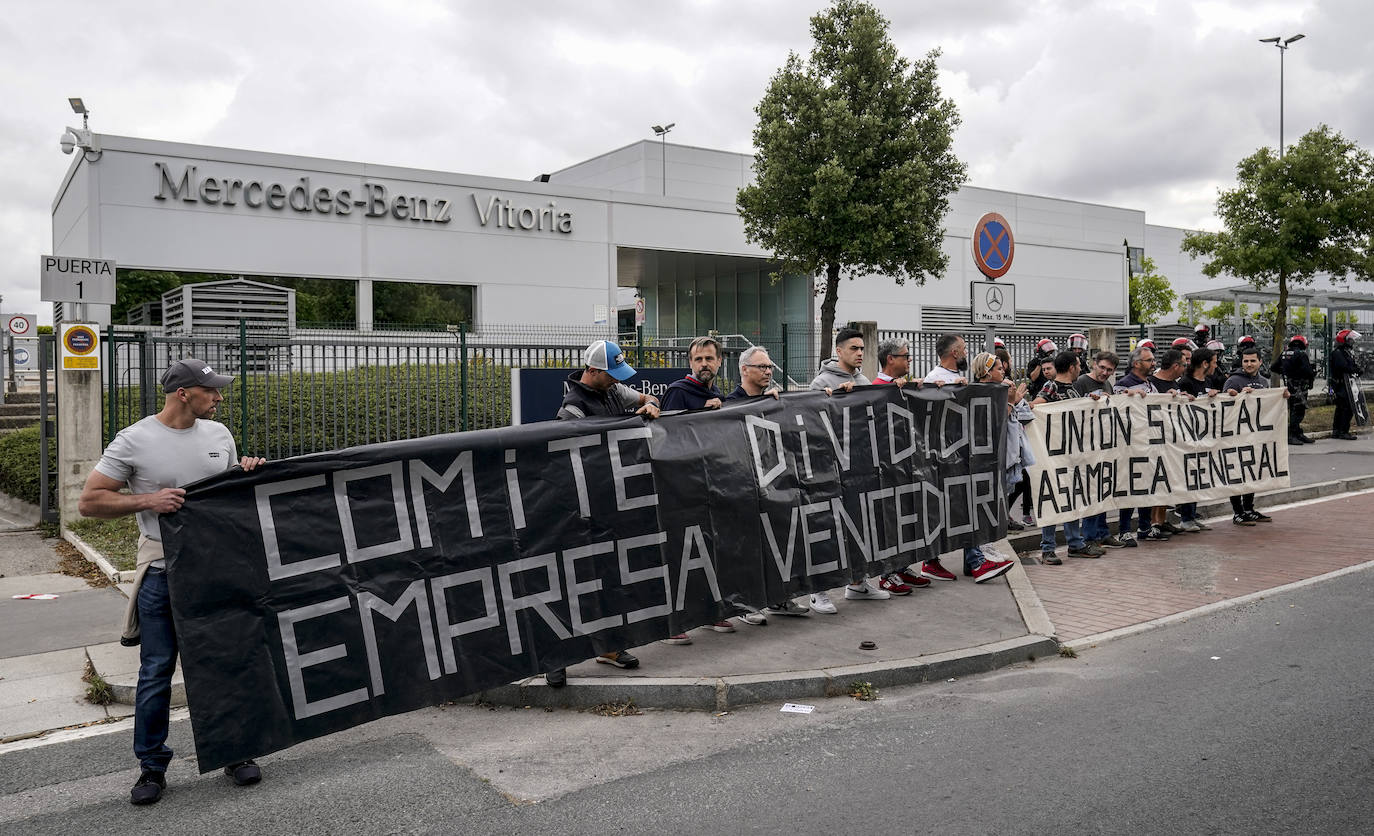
316,389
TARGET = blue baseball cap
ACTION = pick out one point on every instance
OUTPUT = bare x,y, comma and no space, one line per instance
607,356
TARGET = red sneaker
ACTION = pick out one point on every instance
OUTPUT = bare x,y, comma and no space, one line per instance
894,585
933,570
915,581
990,569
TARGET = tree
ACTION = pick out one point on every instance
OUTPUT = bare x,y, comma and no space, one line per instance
1289,218
1151,295
854,167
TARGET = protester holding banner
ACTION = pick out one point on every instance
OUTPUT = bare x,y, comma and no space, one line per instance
1172,365
842,372
1066,368
154,458
698,389
989,368
1196,383
951,352
1248,379
1020,489
894,361
1099,379
1136,381
755,375
756,381
598,390
894,358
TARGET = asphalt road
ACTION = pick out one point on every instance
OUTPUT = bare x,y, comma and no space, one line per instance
1257,719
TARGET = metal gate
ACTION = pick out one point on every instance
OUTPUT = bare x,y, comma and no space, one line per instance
47,430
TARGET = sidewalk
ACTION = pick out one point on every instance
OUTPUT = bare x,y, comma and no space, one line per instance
948,630
45,644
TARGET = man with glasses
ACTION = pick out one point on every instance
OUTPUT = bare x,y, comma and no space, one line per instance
153,458
894,356
756,381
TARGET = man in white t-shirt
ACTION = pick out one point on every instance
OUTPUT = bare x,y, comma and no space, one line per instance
154,458
951,350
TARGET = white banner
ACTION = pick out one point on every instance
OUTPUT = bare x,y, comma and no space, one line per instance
1135,452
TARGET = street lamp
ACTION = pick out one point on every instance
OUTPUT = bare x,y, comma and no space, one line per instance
1282,44
662,132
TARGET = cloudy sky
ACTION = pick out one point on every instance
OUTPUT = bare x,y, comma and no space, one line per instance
1136,103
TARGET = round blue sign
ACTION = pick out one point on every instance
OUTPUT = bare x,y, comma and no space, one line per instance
993,246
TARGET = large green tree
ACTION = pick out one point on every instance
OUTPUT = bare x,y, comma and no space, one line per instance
1289,218
854,167
1151,295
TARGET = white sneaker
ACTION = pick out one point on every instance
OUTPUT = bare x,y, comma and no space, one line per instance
757,619
867,592
820,602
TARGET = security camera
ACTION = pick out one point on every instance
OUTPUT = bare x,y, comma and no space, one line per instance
68,143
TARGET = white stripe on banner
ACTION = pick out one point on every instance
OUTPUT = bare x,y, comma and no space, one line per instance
1135,452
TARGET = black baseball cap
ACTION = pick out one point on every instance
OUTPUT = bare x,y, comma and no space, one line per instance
184,374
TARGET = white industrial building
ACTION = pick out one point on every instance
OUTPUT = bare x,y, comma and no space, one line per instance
565,247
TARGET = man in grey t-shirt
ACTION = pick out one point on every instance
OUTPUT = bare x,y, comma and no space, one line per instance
154,458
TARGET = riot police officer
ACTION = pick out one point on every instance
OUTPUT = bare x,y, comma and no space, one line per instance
1344,372
1296,369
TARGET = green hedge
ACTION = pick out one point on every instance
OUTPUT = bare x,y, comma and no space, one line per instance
293,414
19,458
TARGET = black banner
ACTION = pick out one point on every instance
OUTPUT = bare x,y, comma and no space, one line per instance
324,591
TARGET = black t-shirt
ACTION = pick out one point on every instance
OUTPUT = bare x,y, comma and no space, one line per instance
1163,385
1193,386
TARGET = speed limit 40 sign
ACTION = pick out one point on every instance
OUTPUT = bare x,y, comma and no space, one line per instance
20,324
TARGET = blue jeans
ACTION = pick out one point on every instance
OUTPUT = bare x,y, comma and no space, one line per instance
1123,524
1187,511
973,558
158,659
1095,528
1073,535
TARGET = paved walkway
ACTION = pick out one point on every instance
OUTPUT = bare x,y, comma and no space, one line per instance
950,629
1132,586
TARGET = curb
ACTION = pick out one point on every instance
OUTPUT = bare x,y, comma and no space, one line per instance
723,693
126,691
87,551
1207,609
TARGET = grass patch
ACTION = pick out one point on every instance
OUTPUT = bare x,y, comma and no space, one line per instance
116,539
863,691
98,691
1067,652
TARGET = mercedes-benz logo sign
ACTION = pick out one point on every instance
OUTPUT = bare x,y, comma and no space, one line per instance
994,299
